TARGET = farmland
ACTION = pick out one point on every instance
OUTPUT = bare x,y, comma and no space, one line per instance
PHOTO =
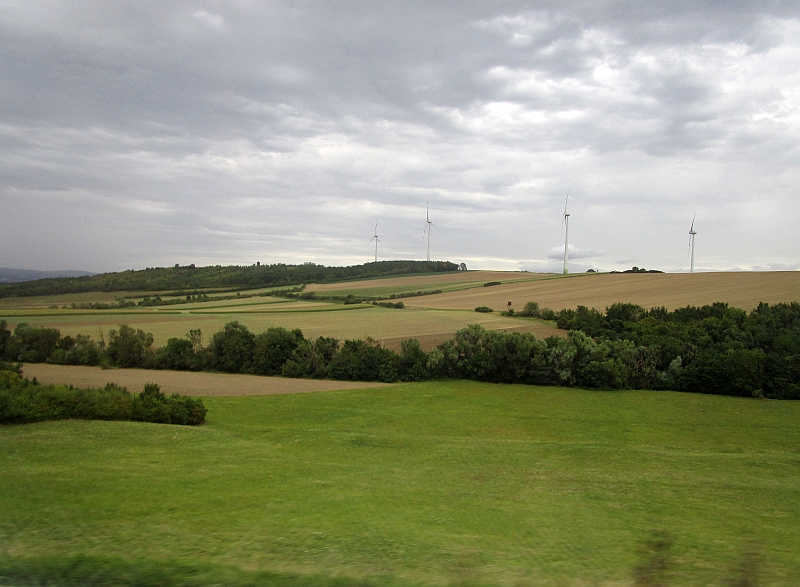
741,290
430,318
388,326
185,383
434,483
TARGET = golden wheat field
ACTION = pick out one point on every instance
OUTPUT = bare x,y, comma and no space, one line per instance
185,382
671,290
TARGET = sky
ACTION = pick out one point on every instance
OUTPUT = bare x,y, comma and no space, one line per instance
137,134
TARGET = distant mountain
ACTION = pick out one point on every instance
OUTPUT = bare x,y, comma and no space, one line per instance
8,275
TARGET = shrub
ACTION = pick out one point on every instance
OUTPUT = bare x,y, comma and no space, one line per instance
363,360
24,402
484,309
128,347
271,349
231,348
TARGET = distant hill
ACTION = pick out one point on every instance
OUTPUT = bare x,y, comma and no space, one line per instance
190,278
9,275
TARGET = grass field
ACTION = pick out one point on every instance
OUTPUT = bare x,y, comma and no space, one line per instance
436,483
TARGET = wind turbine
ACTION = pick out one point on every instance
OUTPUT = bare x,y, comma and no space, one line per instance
566,235
691,243
428,225
376,239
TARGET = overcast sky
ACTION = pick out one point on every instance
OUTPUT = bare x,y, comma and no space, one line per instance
136,134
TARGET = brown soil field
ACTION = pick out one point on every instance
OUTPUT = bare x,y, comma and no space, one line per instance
672,290
184,382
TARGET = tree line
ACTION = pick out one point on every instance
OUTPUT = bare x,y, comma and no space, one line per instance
711,349
182,279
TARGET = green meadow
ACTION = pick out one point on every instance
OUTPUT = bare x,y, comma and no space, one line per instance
436,484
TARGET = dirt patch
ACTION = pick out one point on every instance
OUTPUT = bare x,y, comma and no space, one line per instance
184,382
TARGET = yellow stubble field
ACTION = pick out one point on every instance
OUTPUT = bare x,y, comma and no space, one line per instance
671,290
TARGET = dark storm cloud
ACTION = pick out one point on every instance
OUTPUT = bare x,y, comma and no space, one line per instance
150,133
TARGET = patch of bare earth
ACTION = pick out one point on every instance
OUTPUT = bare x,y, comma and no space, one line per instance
184,382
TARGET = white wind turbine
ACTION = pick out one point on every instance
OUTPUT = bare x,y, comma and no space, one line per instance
428,225
566,235
691,244
376,239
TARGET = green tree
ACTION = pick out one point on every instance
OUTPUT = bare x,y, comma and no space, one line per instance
128,347
232,348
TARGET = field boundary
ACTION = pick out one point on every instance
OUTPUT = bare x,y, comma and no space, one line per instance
194,383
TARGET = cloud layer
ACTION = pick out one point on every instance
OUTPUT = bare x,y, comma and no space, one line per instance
138,134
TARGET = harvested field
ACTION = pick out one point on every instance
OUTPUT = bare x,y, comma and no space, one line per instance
672,290
444,282
184,382
388,326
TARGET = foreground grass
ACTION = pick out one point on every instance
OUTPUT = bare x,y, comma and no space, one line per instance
427,483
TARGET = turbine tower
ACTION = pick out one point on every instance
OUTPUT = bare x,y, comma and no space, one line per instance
691,244
428,225
566,236
376,239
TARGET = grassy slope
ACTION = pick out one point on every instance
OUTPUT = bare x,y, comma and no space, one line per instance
430,482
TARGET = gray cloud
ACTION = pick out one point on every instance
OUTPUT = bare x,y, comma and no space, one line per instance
138,134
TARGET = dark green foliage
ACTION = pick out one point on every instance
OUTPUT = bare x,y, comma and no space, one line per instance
128,347
273,348
491,283
709,349
231,348
484,309
190,278
81,350
30,344
94,571
412,364
5,334
178,354
363,360
153,406
22,402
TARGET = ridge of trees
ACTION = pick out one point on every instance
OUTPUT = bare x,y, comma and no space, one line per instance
710,349
190,278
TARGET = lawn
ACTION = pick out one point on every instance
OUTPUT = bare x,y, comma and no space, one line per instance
434,483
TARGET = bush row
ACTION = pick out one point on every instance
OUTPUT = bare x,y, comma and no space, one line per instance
23,401
712,349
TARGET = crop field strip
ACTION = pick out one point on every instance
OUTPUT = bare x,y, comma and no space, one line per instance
388,326
742,290
435,483
185,382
